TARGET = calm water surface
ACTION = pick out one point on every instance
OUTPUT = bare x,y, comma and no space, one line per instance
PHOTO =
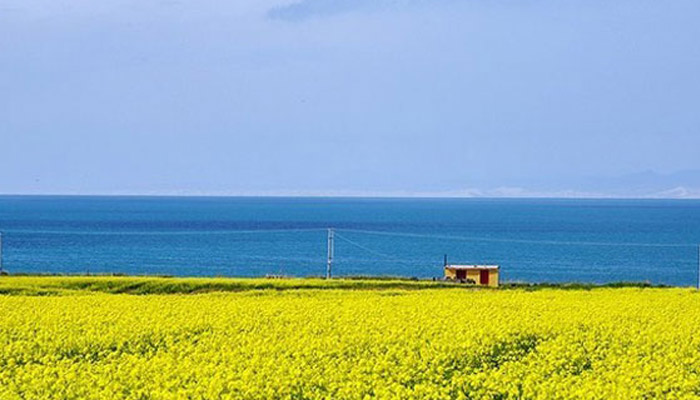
533,240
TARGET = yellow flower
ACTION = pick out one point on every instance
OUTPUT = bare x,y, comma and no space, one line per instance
351,344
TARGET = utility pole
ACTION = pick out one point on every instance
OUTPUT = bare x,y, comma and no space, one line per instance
1,270
329,267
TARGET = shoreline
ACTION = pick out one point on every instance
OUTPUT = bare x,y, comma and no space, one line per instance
151,284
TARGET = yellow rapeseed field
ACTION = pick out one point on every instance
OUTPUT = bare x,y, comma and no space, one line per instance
343,343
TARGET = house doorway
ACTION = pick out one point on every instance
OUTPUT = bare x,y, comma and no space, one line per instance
484,277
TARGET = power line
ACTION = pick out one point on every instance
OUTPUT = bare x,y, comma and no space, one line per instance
369,232
523,241
367,249
155,233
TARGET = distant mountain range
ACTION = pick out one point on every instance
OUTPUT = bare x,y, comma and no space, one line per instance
646,184
681,184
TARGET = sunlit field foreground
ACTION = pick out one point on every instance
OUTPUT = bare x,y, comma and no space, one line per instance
113,338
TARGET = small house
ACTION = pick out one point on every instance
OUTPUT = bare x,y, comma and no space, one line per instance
483,275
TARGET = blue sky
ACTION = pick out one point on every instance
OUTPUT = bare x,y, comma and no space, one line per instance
383,97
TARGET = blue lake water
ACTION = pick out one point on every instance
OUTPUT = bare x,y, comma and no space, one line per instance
533,240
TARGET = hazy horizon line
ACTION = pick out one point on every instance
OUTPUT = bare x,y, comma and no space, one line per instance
362,194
